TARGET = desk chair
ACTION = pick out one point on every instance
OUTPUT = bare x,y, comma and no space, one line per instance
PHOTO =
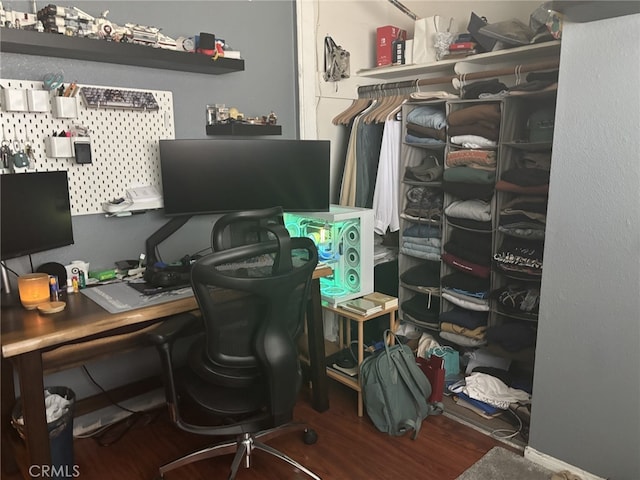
242,374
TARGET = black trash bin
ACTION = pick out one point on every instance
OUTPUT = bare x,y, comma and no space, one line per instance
60,435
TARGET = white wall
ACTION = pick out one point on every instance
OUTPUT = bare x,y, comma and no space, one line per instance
586,400
352,24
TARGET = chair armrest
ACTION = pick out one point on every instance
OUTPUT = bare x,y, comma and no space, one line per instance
174,327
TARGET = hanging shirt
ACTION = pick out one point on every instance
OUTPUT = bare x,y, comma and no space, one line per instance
385,196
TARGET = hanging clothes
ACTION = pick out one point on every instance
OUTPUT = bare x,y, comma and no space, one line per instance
385,196
368,144
356,178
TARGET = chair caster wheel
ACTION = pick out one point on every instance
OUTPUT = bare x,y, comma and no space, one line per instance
310,436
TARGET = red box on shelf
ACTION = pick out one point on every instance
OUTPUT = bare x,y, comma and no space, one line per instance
385,36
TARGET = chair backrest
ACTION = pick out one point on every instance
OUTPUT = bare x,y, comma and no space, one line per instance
253,300
241,228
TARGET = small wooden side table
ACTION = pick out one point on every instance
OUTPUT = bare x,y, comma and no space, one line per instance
344,317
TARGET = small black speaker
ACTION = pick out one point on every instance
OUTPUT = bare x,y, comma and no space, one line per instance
207,41
56,269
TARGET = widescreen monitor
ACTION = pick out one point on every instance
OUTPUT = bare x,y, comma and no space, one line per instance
35,213
223,175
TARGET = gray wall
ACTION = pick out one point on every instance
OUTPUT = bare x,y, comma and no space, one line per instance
586,400
264,31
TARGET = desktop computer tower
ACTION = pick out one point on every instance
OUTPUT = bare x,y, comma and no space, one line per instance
344,238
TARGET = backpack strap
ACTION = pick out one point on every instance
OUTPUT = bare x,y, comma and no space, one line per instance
418,396
329,66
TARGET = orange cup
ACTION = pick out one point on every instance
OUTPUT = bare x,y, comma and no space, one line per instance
33,289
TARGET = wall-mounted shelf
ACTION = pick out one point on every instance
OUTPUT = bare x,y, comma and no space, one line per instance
79,48
527,53
244,129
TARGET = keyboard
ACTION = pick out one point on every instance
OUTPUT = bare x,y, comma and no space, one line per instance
96,97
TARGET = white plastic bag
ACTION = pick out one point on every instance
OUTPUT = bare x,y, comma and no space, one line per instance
424,37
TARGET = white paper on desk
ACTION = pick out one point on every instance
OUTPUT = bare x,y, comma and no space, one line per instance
120,297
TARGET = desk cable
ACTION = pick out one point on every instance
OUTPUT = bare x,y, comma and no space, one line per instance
110,434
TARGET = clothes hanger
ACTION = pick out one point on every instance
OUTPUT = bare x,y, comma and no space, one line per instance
357,106
402,100
375,102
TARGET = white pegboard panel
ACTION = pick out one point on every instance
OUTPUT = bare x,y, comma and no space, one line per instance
124,144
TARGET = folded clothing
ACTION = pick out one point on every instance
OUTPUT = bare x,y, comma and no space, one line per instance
459,158
473,90
541,160
472,225
488,112
465,191
462,340
469,175
424,173
465,301
505,186
512,337
409,138
422,131
423,307
476,242
473,209
425,274
526,177
419,230
465,281
427,117
473,141
530,203
487,130
463,265
465,318
476,333
469,255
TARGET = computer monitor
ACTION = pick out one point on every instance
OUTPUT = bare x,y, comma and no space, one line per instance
223,175
35,213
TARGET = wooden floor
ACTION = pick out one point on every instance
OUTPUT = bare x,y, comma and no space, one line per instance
348,448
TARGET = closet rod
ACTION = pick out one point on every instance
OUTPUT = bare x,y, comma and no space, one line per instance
384,88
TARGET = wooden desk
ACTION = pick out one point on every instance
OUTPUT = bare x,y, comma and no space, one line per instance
27,335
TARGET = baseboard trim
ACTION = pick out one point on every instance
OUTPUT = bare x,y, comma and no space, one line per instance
556,465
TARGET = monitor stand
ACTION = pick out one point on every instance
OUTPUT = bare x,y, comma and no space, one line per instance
156,238
6,286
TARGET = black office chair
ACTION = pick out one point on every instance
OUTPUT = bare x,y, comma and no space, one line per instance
243,375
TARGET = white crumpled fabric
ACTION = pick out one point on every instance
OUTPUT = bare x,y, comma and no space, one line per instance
493,391
426,343
55,405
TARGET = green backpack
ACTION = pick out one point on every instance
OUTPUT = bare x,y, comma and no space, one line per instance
395,390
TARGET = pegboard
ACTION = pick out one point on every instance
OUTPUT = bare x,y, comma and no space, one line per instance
124,144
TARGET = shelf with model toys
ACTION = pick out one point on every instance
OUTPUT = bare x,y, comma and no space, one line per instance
28,42
68,32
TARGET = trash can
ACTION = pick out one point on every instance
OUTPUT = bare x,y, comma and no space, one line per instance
60,434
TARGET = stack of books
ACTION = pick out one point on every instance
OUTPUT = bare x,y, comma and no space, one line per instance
461,49
361,306
386,301
369,304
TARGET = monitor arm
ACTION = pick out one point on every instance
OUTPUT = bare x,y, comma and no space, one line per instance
156,238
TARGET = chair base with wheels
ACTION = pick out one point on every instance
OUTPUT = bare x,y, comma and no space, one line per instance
243,447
